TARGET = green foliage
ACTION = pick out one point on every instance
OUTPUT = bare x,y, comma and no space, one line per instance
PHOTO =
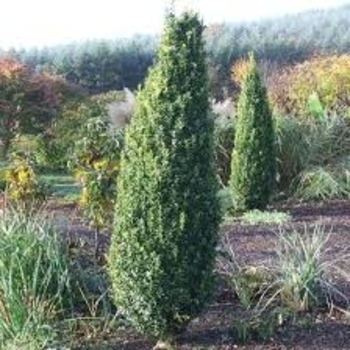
3,171
162,255
307,89
253,158
313,157
51,154
97,65
323,183
301,268
292,151
224,140
53,149
34,281
24,190
23,143
300,279
47,152
247,282
257,325
96,162
256,217
225,200
259,314
314,106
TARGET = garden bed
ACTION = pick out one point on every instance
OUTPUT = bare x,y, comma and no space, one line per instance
254,245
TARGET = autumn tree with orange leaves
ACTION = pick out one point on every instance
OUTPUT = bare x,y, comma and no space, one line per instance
29,101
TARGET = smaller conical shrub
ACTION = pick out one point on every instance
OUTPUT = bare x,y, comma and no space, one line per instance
253,158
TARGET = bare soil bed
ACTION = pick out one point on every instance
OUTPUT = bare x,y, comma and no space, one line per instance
254,245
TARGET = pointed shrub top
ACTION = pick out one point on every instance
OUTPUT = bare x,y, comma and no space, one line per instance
162,256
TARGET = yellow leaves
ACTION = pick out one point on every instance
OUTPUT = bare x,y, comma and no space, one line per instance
24,175
80,176
96,166
97,197
11,69
328,77
84,198
23,188
240,70
100,164
116,167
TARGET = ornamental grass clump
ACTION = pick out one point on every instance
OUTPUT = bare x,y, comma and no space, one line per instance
34,281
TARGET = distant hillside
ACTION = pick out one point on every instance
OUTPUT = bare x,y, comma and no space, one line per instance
101,65
284,40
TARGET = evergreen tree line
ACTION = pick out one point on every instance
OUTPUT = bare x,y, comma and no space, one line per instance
104,65
97,65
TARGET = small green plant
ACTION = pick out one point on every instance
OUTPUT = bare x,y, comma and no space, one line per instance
34,281
259,314
304,270
225,200
322,183
248,283
259,324
315,107
293,151
313,157
24,191
256,217
224,138
299,280
95,314
50,154
96,163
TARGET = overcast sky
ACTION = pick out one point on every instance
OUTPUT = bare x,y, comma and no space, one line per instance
48,22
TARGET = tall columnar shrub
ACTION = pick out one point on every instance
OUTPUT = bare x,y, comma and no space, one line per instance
163,248
253,158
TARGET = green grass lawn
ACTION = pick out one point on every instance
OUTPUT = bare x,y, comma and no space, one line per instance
62,186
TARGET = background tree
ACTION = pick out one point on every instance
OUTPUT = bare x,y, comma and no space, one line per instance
12,77
29,101
103,65
253,157
163,249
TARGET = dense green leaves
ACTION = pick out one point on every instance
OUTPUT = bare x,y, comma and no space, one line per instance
95,161
163,248
253,158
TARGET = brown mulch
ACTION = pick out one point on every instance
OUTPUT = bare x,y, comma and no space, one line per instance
253,245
